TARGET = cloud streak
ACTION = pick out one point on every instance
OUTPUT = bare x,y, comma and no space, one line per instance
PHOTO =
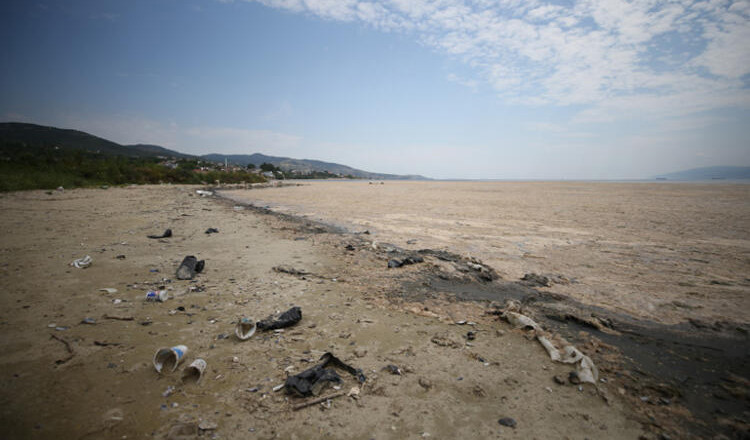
607,55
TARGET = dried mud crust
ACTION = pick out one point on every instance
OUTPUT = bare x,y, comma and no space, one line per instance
690,380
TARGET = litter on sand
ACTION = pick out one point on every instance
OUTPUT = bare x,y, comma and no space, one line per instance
286,319
189,267
166,234
245,329
194,371
169,358
313,380
82,263
585,368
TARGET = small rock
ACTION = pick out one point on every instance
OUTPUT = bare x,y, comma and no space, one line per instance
183,431
471,335
425,383
360,352
207,425
559,380
507,421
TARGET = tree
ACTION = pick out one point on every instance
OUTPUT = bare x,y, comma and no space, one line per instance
265,166
251,166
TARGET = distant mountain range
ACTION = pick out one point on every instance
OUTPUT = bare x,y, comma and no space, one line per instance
305,166
38,135
709,173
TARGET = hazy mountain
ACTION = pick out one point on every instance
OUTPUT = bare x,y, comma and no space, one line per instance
39,135
305,165
709,173
42,136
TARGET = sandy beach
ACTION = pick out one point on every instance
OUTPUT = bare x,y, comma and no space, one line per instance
66,378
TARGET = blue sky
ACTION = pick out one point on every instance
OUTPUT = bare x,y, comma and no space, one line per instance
505,89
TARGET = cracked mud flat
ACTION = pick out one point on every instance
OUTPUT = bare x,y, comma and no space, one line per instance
61,378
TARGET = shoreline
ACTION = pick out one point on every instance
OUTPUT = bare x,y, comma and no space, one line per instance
666,363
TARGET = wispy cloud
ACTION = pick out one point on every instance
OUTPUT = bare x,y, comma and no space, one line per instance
608,55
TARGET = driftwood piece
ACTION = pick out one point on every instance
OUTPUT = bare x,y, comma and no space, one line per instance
318,400
71,353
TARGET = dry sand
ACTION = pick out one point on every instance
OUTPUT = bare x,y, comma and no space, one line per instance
668,252
64,379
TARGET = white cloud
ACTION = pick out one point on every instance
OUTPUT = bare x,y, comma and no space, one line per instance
592,52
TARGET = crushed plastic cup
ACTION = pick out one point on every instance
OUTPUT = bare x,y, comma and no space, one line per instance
157,295
82,263
194,371
169,358
245,329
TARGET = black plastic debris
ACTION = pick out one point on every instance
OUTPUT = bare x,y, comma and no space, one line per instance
313,380
393,369
507,421
286,319
189,267
212,231
393,263
166,234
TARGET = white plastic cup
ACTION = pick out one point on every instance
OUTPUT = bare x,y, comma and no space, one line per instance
157,295
194,372
165,357
245,329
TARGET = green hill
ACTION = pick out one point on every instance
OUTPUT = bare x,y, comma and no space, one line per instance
39,135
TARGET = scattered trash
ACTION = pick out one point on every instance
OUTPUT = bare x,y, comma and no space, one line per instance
194,372
311,381
82,263
189,267
121,257
212,231
471,335
245,329
278,387
393,369
203,193
286,319
108,290
167,233
507,421
157,295
169,357
90,321
586,371
168,392
394,262
521,321
116,301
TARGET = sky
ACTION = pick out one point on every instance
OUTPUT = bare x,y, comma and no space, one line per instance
474,89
